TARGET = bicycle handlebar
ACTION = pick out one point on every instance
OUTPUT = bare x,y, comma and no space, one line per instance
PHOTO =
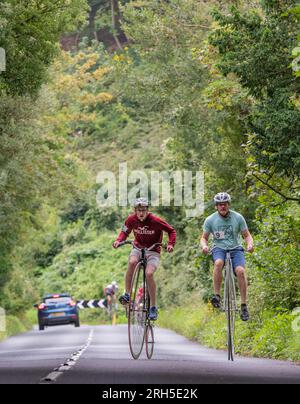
140,249
125,242
228,250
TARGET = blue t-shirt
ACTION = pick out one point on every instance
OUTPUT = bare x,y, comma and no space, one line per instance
226,231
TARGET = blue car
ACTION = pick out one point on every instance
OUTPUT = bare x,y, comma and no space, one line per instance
57,309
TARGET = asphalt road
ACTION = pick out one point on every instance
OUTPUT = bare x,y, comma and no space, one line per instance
100,355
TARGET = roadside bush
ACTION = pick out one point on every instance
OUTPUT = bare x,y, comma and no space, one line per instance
273,340
273,270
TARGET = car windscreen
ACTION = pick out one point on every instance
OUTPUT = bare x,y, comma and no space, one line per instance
58,300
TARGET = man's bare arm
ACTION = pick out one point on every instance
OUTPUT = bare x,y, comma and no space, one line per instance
204,242
249,240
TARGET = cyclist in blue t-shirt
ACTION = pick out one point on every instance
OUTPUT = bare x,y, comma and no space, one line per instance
227,227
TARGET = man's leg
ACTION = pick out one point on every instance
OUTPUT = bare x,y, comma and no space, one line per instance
151,284
218,276
132,263
108,297
239,263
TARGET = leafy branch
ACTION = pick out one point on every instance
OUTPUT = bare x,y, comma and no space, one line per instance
277,191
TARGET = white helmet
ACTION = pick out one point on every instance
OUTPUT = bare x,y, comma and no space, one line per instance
141,202
115,286
222,197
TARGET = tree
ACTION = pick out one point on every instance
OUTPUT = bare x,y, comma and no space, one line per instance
115,18
167,84
95,6
30,33
33,164
257,49
106,14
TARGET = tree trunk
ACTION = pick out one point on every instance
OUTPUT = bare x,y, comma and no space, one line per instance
115,14
92,16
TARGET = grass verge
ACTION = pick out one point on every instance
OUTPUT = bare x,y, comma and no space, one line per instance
18,324
269,336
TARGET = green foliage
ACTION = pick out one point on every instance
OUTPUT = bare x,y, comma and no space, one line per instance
273,270
29,34
170,100
257,49
16,325
86,267
273,338
34,170
45,259
33,164
164,68
246,43
169,80
109,219
75,211
22,175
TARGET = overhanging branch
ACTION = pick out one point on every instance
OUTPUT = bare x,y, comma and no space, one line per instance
285,197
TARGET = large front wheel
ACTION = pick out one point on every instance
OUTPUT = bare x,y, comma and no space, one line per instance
137,313
231,314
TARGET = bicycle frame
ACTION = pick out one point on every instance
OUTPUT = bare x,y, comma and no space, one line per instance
229,281
143,263
139,316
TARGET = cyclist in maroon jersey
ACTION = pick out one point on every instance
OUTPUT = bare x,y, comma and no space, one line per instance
148,230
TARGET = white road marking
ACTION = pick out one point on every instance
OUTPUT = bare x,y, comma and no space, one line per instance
52,376
63,348
69,363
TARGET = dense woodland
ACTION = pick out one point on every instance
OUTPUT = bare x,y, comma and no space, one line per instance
162,85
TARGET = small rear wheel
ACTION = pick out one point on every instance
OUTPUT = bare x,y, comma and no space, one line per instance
149,341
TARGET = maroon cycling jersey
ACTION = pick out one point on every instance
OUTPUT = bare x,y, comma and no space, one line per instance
148,232
109,290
